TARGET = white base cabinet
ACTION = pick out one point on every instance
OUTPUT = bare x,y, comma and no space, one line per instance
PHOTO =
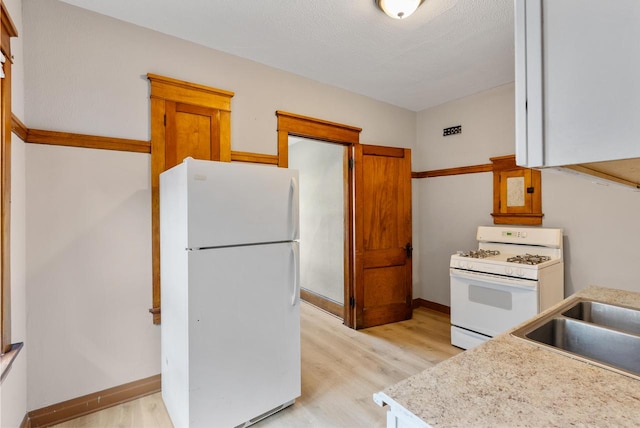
398,416
577,81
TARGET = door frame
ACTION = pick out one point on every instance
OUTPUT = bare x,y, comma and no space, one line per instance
167,90
349,136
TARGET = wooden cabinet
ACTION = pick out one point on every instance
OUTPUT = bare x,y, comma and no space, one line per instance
517,193
398,416
577,90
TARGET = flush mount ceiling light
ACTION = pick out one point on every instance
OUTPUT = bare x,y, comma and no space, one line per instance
398,9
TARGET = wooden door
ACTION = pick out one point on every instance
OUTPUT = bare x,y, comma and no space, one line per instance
514,194
382,284
187,119
191,131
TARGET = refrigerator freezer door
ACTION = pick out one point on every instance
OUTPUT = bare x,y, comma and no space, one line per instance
233,203
244,332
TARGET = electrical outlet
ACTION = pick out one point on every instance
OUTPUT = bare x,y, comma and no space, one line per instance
452,131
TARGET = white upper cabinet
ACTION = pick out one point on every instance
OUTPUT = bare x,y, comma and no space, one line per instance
577,81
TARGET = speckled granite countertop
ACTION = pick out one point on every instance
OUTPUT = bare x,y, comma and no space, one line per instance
507,383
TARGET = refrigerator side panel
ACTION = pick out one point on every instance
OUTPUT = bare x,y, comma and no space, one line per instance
174,294
236,204
245,332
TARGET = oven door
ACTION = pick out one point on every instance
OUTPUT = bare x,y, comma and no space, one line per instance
491,304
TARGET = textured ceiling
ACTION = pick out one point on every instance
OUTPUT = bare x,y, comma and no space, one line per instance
446,50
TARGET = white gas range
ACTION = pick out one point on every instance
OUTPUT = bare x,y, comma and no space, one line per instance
515,273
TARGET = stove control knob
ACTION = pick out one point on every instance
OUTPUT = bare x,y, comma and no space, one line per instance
520,272
508,270
469,266
523,234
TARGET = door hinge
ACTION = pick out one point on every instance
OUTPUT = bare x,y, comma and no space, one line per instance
409,249
352,301
351,162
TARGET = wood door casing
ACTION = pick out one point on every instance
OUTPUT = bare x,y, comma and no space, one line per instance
187,119
383,278
318,129
8,31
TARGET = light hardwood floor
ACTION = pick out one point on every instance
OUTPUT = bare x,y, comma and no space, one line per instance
341,369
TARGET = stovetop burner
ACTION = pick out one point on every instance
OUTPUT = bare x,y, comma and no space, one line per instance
529,259
479,254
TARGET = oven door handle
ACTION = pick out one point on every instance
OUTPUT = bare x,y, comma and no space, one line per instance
525,284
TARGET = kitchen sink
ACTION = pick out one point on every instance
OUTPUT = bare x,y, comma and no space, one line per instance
606,315
598,333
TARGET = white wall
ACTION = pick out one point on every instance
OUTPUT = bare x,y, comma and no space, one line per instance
449,211
88,211
596,219
13,396
13,392
88,273
601,230
449,208
488,129
91,71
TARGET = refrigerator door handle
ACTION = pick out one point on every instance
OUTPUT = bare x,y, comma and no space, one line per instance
294,208
295,252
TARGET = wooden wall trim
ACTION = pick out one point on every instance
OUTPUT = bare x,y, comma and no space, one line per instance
90,403
322,302
19,128
422,303
26,422
471,169
40,136
254,158
7,359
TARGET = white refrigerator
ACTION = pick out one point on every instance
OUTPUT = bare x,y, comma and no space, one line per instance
229,264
